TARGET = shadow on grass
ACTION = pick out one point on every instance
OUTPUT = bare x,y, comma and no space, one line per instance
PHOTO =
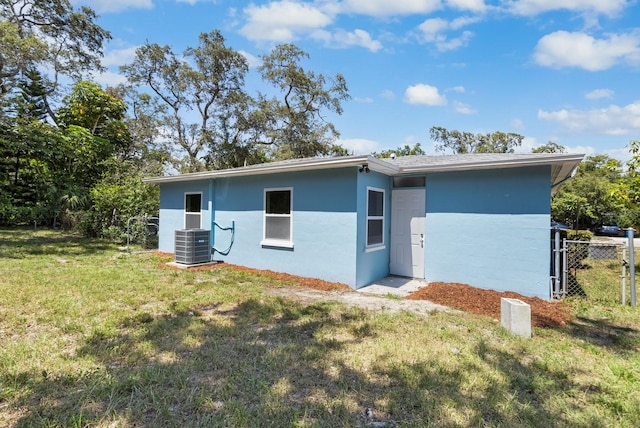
574,286
519,395
272,362
620,339
16,244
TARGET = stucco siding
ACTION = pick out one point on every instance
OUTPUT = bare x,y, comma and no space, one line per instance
487,228
490,229
324,223
172,210
372,265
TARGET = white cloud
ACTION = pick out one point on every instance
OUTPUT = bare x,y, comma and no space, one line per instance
388,94
433,31
106,6
282,21
458,89
117,57
109,78
565,49
622,154
463,21
613,120
517,124
463,108
528,144
360,146
599,94
535,7
472,5
586,150
432,27
424,94
365,100
455,43
253,60
382,8
344,39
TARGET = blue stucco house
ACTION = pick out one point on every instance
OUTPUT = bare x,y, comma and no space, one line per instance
479,219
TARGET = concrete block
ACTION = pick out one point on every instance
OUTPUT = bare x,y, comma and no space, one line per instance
515,316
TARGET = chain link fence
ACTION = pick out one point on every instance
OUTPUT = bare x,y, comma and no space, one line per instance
143,231
592,270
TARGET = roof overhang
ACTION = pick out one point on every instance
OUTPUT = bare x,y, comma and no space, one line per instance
563,166
373,163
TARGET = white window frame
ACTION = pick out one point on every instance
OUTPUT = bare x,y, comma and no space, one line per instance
380,245
270,242
187,213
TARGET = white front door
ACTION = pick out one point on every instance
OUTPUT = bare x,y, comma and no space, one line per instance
407,232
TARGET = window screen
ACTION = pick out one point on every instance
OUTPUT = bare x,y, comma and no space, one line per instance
277,215
375,217
192,210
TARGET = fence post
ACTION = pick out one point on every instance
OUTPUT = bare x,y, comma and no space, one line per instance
565,267
556,267
624,276
632,266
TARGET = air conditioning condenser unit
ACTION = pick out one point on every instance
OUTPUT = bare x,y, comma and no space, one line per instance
192,246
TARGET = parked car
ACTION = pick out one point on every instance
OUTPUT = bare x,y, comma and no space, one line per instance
556,225
608,230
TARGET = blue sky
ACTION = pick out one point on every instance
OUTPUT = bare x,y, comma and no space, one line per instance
565,71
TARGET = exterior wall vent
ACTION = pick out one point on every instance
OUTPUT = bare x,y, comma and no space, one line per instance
193,246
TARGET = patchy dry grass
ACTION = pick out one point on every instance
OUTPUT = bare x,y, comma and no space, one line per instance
95,337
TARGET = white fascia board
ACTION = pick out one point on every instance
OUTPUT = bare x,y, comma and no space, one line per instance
311,164
563,166
382,166
498,164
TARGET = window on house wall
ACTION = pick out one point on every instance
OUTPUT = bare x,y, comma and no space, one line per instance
278,217
375,217
192,210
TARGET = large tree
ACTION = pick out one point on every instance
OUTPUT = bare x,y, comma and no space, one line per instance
634,172
232,128
467,142
593,195
550,147
405,150
92,120
27,147
42,42
48,168
208,80
51,35
147,151
631,215
294,126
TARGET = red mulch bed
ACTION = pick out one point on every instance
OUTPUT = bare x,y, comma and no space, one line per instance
315,283
460,296
487,302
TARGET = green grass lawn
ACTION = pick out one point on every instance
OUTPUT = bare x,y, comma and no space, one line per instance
92,336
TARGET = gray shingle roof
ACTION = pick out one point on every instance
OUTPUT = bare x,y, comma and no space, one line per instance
562,165
475,158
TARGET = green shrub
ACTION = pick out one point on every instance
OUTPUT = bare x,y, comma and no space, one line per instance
579,235
114,234
11,215
113,202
